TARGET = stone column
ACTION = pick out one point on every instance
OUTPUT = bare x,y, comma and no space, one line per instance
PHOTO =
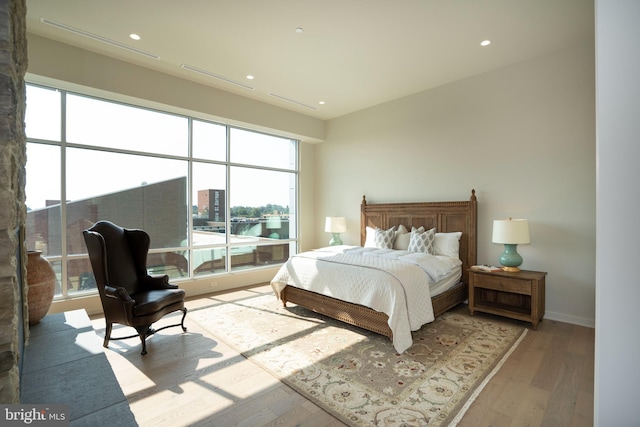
13,65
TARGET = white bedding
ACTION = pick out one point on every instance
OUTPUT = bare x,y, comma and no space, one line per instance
394,282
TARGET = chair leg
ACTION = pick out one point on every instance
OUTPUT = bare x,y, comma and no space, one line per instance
143,332
181,324
184,314
107,334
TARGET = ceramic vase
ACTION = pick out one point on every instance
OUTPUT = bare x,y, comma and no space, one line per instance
41,283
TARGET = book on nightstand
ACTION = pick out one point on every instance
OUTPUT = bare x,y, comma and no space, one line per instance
486,268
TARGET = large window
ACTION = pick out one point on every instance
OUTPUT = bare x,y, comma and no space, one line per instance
213,198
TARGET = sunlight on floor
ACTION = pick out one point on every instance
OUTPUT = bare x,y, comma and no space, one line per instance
192,385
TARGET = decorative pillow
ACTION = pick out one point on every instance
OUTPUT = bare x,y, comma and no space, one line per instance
422,241
370,237
384,238
447,244
402,238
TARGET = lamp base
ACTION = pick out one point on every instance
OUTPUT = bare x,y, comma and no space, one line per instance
335,240
511,269
510,259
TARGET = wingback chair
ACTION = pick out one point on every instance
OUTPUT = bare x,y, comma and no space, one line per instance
129,295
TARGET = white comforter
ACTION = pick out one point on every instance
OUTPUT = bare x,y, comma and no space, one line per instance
390,281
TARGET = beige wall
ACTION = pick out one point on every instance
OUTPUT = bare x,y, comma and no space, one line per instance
522,136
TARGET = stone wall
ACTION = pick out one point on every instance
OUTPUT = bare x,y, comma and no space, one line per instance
13,65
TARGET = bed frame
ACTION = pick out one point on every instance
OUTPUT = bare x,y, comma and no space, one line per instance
444,216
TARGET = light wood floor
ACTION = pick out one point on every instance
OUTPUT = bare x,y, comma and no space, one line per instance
194,379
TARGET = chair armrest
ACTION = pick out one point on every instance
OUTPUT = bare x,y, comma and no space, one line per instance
119,293
159,282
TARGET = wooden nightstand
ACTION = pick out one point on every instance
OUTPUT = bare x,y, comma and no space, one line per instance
517,295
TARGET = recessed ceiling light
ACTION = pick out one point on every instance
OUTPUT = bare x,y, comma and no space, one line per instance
134,36
485,43
299,30
249,77
321,102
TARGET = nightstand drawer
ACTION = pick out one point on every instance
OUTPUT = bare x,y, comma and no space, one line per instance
507,284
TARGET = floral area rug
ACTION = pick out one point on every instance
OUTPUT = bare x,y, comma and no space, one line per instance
356,375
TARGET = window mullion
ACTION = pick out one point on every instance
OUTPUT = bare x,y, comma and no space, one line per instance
190,197
227,195
63,194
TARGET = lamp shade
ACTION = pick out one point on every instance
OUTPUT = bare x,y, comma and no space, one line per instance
511,231
335,224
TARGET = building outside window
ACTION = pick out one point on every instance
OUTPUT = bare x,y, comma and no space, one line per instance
213,198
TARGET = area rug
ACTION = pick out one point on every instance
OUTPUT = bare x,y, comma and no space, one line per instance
356,375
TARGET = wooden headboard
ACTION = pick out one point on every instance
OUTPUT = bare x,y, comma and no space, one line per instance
446,217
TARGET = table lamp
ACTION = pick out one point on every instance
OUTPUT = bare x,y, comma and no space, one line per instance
335,225
511,233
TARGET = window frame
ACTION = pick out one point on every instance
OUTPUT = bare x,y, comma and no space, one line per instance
62,260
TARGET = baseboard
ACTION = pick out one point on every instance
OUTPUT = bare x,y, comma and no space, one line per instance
565,318
574,320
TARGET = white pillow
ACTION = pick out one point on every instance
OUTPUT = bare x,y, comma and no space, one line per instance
370,237
422,241
384,238
402,238
447,244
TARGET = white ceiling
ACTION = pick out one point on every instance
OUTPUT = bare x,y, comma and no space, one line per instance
352,54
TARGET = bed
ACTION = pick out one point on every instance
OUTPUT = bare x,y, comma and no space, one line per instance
446,217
